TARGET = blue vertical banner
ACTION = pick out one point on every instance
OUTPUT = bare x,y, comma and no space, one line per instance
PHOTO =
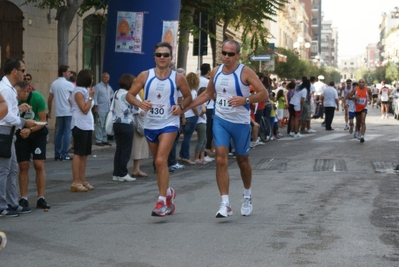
133,29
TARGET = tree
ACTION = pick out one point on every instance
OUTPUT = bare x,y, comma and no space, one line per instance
246,15
391,73
66,11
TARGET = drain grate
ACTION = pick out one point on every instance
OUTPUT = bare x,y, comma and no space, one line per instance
271,164
334,165
383,166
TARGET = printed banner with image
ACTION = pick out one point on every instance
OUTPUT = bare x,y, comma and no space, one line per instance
129,32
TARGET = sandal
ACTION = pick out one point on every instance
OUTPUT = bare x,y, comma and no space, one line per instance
88,186
140,174
78,188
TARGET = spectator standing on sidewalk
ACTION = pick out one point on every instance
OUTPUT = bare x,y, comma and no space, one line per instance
329,98
33,142
123,129
210,104
14,69
140,146
230,82
189,120
102,103
28,82
82,128
61,90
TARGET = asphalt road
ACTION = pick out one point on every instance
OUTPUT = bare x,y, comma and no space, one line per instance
321,200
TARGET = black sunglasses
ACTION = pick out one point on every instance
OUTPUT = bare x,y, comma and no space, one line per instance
230,54
21,70
162,54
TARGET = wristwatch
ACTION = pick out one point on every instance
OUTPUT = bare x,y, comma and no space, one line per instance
90,98
181,106
247,100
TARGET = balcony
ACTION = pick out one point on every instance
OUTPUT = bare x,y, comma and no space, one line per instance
315,22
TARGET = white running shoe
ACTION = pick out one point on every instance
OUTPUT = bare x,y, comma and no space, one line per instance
224,210
208,159
127,178
292,134
177,166
311,130
246,207
297,135
115,178
259,143
252,144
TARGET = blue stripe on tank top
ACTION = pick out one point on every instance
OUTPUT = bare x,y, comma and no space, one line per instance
172,92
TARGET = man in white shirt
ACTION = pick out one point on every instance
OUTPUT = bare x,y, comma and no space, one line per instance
102,101
14,72
61,90
330,103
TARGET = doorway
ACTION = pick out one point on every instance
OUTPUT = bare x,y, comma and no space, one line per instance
11,30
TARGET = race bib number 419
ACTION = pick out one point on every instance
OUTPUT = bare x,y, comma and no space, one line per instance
222,101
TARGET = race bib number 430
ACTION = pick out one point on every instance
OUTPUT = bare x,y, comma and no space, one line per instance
158,111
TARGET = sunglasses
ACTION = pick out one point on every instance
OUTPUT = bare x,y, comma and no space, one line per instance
162,54
230,54
21,70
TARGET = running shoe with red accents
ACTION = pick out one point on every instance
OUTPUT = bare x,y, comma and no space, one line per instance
170,201
160,209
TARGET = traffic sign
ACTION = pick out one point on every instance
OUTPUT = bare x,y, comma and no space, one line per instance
260,58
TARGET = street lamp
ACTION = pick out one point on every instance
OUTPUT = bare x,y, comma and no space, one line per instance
299,45
318,61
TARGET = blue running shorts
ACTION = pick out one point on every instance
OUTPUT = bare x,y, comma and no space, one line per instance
152,135
240,133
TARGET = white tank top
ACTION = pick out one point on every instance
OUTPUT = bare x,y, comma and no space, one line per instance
163,95
347,90
227,86
384,94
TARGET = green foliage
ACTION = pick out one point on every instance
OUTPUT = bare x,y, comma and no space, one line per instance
248,15
56,4
391,73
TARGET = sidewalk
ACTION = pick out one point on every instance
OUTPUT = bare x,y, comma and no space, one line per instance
50,144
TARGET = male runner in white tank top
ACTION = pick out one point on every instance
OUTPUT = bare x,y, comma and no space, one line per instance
230,82
161,122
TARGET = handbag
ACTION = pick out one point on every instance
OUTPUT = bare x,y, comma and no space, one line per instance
6,143
139,124
109,119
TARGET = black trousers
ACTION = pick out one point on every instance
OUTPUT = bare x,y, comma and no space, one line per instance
209,128
329,111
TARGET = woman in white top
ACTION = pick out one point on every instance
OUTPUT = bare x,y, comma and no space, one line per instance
123,129
82,128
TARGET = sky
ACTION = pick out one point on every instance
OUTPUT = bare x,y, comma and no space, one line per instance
357,22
